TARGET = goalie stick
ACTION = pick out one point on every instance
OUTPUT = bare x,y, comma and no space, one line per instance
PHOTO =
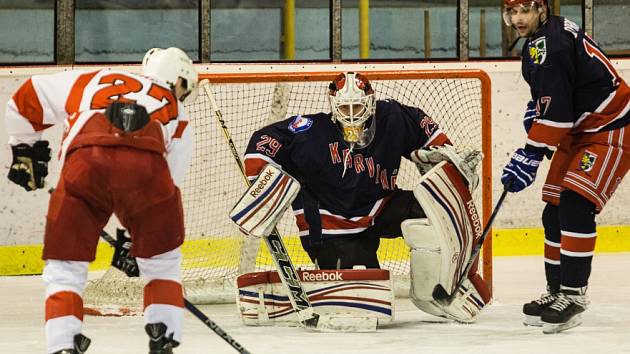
189,306
289,276
439,293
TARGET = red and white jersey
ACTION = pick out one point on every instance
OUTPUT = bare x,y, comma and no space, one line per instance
45,100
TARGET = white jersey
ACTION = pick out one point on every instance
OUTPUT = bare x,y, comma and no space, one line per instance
46,100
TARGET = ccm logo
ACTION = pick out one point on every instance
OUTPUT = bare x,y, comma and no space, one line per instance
261,184
306,276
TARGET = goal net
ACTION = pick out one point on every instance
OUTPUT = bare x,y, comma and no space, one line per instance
215,252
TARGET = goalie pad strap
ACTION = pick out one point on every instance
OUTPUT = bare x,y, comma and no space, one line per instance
264,202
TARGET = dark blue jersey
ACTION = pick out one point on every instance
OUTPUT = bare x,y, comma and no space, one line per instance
342,190
575,86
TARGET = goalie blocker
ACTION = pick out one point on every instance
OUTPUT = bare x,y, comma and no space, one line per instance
352,300
441,245
264,202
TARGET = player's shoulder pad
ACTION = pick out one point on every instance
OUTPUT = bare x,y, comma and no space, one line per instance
561,33
388,103
388,107
552,41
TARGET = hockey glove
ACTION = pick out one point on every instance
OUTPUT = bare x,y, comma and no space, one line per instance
520,172
465,160
30,165
123,259
530,115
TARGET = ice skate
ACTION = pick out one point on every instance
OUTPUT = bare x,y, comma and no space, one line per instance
160,343
81,343
565,312
534,308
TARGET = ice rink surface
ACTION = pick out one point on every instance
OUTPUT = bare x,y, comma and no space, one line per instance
606,327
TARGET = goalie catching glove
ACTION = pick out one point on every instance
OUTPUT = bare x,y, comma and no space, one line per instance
465,160
29,167
264,202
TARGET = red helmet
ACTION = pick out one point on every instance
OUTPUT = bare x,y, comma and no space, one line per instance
512,3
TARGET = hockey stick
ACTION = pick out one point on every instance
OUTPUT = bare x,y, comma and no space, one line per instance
194,310
439,293
289,276
189,306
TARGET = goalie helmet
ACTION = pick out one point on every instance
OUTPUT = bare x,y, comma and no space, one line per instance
352,102
528,5
170,64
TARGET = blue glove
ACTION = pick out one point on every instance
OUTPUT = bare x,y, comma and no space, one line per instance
520,172
530,114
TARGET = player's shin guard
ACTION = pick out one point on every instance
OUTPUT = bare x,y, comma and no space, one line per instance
551,223
577,223
163,294
65,282
533,309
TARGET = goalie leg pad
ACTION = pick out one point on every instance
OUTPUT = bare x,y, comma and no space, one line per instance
264,202
427,262
346,300
441,243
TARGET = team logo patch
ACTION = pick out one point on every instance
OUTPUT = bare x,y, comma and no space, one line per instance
538,50
300,124
587,161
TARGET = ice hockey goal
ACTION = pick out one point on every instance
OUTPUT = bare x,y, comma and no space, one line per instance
215,252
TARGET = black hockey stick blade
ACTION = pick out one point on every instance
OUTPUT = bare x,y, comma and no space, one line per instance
439,294
311,322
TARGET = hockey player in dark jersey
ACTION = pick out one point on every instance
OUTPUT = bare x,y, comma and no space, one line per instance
347,162
578,112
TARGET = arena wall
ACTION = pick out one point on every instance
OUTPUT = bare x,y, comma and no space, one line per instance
22,214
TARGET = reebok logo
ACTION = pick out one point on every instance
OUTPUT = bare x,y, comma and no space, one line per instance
262,182
306,276
472,212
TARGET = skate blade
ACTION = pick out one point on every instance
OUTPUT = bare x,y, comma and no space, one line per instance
346,324
533,321
551,328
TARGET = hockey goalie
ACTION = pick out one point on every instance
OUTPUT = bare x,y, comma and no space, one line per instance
343,167
440,246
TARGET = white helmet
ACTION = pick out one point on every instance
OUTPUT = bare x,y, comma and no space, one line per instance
170,64
353,92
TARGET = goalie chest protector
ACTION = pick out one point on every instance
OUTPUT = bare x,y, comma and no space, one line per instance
262,299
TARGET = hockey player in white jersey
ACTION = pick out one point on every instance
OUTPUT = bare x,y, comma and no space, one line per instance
346,163
125,149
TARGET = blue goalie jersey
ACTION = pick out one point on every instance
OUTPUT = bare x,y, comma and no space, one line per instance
342,190
575,86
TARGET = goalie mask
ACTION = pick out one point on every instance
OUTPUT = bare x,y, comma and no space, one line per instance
352,102
170,64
